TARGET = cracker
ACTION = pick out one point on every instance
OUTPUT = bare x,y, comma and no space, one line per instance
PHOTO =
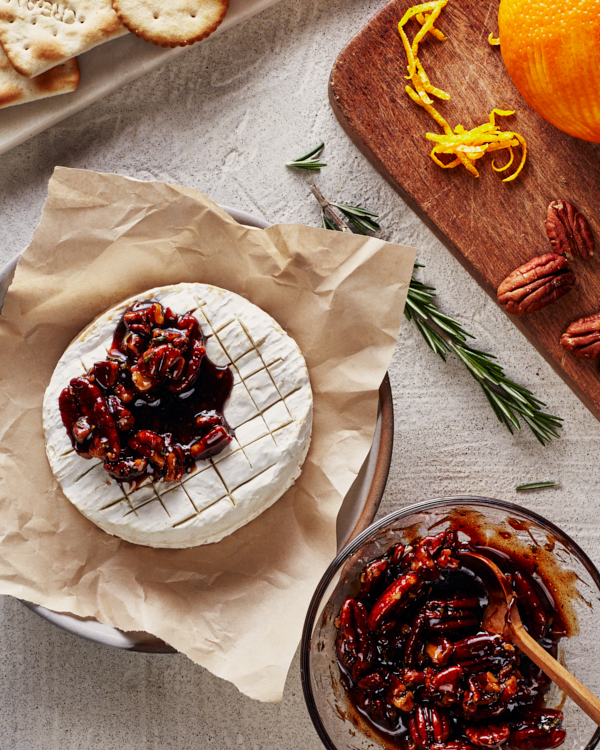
16,89
39,34
171,23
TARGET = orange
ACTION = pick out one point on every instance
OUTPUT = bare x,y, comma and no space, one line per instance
551,49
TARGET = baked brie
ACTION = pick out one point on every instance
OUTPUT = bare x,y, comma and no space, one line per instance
139,472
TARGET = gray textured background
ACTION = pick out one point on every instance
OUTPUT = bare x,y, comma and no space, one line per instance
224,118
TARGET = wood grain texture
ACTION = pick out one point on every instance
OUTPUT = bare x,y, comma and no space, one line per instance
489,226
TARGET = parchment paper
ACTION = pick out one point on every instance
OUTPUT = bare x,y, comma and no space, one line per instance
236,607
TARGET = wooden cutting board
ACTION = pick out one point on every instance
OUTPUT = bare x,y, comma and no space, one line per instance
489,226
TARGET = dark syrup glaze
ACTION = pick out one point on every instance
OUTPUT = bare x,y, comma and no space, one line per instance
155,405
175,413
401,695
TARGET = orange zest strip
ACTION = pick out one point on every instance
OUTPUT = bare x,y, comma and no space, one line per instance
411,60
506,166
501,145
461,159
494,40
429,108
410,13
466,162
502,113
520,167
427,26
427,85
467,146
421,18
441,164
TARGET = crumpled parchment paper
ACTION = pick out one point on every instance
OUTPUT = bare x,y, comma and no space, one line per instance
235,607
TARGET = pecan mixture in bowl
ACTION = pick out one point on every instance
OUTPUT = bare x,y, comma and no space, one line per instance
417,665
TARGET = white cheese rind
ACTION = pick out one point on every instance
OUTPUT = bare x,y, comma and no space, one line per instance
270,409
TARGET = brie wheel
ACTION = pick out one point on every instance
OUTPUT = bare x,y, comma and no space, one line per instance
270,410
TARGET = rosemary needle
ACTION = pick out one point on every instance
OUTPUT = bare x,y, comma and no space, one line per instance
536,486
443,334
309,161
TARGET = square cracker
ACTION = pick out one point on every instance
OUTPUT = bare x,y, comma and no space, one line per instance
16,89
39,34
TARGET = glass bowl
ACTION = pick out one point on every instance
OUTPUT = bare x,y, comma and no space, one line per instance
337,722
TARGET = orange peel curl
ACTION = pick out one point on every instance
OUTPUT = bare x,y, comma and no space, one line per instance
467,146
477,142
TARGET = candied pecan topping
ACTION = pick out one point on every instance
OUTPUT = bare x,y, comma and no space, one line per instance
155,406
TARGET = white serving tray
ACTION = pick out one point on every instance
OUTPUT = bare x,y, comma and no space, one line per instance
105,69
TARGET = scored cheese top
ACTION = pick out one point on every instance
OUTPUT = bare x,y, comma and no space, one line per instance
270,410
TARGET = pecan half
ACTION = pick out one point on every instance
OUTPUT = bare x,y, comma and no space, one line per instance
539,728
582,338
429,724
491,735
536,284
568,231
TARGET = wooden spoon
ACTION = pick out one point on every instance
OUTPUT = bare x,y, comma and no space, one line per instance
502,616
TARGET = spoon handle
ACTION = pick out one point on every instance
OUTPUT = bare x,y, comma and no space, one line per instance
586,700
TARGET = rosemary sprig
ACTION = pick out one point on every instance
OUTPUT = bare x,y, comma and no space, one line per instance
443,334
536,486
361,219
329,218
309,161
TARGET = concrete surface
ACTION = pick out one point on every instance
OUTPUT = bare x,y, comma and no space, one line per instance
224,118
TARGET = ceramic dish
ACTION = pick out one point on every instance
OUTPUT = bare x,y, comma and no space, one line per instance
336,720
357,512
